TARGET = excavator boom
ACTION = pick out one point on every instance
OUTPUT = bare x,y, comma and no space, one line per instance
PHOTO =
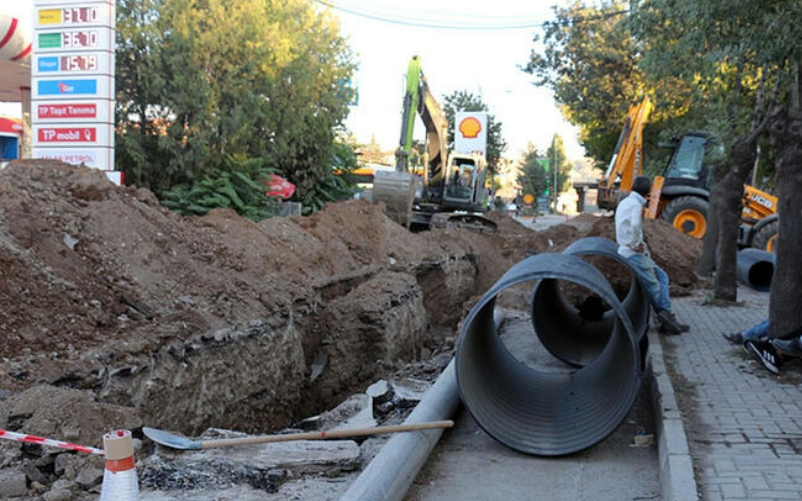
451,184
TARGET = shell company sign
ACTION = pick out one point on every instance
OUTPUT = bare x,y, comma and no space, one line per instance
470,132
72,83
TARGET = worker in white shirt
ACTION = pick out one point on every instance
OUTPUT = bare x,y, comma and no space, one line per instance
632,246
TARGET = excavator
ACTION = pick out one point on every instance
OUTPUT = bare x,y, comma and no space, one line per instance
449,190
681,195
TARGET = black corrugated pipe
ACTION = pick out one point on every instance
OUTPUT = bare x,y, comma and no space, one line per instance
538,412
577,337
756,268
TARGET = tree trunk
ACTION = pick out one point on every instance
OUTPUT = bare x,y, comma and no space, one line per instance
730,191
707,261
785,134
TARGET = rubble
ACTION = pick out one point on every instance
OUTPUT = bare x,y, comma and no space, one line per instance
117,313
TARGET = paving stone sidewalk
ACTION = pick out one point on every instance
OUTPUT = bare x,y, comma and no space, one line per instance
743,423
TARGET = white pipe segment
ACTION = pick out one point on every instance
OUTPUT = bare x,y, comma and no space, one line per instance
390,474
15,39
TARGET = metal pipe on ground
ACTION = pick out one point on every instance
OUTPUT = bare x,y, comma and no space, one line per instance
576,337
390,474
535,411
755,268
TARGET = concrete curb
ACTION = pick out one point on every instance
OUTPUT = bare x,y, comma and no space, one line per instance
676,467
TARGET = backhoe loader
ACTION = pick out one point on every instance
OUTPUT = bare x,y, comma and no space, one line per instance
681,195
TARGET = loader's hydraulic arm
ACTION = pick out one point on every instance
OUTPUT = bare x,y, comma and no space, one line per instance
627,161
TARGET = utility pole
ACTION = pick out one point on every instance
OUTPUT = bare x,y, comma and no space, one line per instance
554,169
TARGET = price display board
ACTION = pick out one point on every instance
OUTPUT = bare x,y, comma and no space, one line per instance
72,87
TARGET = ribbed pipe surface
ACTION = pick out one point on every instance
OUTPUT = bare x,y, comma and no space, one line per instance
571,337
755,268
539,412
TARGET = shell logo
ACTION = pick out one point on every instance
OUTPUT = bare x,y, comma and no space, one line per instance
470,127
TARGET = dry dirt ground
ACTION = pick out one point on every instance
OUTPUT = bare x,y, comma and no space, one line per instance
117,313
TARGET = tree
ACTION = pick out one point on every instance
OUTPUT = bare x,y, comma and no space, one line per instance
735,52
589,60
534,177
555,154
202,79
465,101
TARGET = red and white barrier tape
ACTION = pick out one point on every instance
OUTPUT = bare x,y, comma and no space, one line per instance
31,439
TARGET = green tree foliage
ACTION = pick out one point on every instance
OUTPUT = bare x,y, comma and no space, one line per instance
534,177
556,157
201,80
589,60
465,101
735,52
332,187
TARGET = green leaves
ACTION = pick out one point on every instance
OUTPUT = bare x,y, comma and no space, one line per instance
589,59
238,188
200,81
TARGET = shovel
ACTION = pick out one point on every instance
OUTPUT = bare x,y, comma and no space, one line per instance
176,442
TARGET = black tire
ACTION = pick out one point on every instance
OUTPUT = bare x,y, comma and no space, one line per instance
687,214
764,239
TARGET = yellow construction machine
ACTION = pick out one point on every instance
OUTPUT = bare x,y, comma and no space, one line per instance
681,195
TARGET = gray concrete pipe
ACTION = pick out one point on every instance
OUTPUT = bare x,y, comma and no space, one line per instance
577,338
755,268
535,411
390,474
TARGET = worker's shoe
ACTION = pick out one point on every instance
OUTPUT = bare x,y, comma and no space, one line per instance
788,347
734,337
766,353
670,325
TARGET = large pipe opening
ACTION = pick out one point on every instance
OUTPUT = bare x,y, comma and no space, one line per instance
576,334
755,268
545,410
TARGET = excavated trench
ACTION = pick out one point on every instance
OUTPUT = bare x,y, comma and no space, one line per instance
277,370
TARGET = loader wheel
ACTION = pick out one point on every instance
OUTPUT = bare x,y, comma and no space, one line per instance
688,215
766,237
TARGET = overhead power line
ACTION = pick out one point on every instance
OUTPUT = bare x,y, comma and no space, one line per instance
440,20
455,21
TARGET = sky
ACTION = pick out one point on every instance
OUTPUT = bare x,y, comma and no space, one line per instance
483,61
483,58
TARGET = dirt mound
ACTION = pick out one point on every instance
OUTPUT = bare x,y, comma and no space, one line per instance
219,321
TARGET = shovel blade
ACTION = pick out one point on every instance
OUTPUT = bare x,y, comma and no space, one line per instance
170,439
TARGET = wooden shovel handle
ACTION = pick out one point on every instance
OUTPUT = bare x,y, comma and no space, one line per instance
322,435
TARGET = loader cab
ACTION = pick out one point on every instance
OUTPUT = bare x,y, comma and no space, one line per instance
687,167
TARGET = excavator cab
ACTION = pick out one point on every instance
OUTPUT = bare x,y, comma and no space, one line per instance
465,179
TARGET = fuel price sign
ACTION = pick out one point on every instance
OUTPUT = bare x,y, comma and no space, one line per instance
79,62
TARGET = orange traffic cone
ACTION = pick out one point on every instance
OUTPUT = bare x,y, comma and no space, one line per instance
119,478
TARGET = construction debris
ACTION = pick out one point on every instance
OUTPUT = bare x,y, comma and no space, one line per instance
117,313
